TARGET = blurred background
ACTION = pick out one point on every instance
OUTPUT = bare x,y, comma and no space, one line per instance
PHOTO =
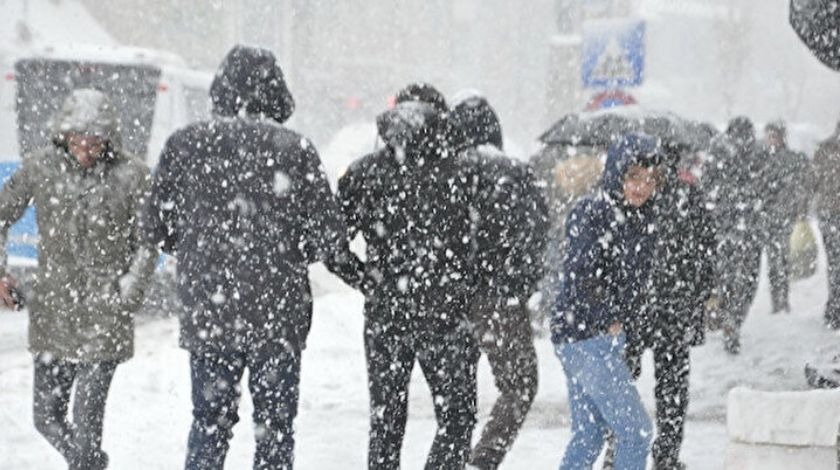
706,59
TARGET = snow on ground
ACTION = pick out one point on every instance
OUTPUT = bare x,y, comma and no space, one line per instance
149,409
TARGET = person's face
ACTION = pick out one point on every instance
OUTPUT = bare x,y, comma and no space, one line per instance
774,139
639,185
86,148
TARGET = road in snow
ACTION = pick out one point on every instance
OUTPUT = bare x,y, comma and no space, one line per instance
149,410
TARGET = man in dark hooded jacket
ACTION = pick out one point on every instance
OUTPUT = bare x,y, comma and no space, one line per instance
784,200
733,178
243,204
510,239
411,201
681,281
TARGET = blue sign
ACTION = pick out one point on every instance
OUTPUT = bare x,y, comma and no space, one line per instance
22,239
613,53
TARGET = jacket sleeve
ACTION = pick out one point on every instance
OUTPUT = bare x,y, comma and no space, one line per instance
344,263
539,229
704,251
159,218
324,229
135,283
14,199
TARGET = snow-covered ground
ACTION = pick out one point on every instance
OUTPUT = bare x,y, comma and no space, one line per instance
149,409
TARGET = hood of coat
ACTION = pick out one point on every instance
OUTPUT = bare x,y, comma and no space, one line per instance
88,112
250,81
741,132
416,132
630,150
478,122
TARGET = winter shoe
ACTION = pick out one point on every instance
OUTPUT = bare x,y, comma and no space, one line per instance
732,340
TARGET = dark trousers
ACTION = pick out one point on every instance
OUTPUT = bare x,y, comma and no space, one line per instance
273,382
830,230
671,371
739,271
448,361
79,441
505,335
778,252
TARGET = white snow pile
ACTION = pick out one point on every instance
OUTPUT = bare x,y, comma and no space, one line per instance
805,418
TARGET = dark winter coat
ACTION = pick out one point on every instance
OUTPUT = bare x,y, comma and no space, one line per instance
826,175
682,272
511,213
610,249
93,268
782,185
244,205
411,202
732,182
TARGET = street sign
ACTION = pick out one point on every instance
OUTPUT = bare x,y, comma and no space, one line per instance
610,99
613,53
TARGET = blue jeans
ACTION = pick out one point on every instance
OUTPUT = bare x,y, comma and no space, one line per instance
602,398
273,382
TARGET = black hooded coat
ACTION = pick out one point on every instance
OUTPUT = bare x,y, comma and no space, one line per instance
411,201
244,206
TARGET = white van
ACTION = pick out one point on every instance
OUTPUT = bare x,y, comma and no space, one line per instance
154,91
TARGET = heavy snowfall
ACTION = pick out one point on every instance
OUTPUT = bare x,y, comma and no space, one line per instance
426,234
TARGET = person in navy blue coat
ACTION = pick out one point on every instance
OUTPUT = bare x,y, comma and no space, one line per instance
611,239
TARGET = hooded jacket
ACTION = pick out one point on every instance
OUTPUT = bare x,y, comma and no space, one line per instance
512,217
93,267
244,205
411,202
682,269
826,174
610,246
732,181
782,183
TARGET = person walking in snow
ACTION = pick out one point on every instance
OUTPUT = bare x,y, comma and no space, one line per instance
411,202
93,269
510,239
611,241
673,318
244,205
826,178
733,178
784,201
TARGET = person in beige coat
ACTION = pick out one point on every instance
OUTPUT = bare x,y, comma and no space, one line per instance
92,269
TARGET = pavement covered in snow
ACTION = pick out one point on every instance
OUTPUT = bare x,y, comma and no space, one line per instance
148,412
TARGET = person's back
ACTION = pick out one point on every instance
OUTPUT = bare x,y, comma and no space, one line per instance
245,225
245,207
511,221
412,205
411,202
735,187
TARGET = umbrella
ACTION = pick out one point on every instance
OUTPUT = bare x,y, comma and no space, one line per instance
817,23
604,127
